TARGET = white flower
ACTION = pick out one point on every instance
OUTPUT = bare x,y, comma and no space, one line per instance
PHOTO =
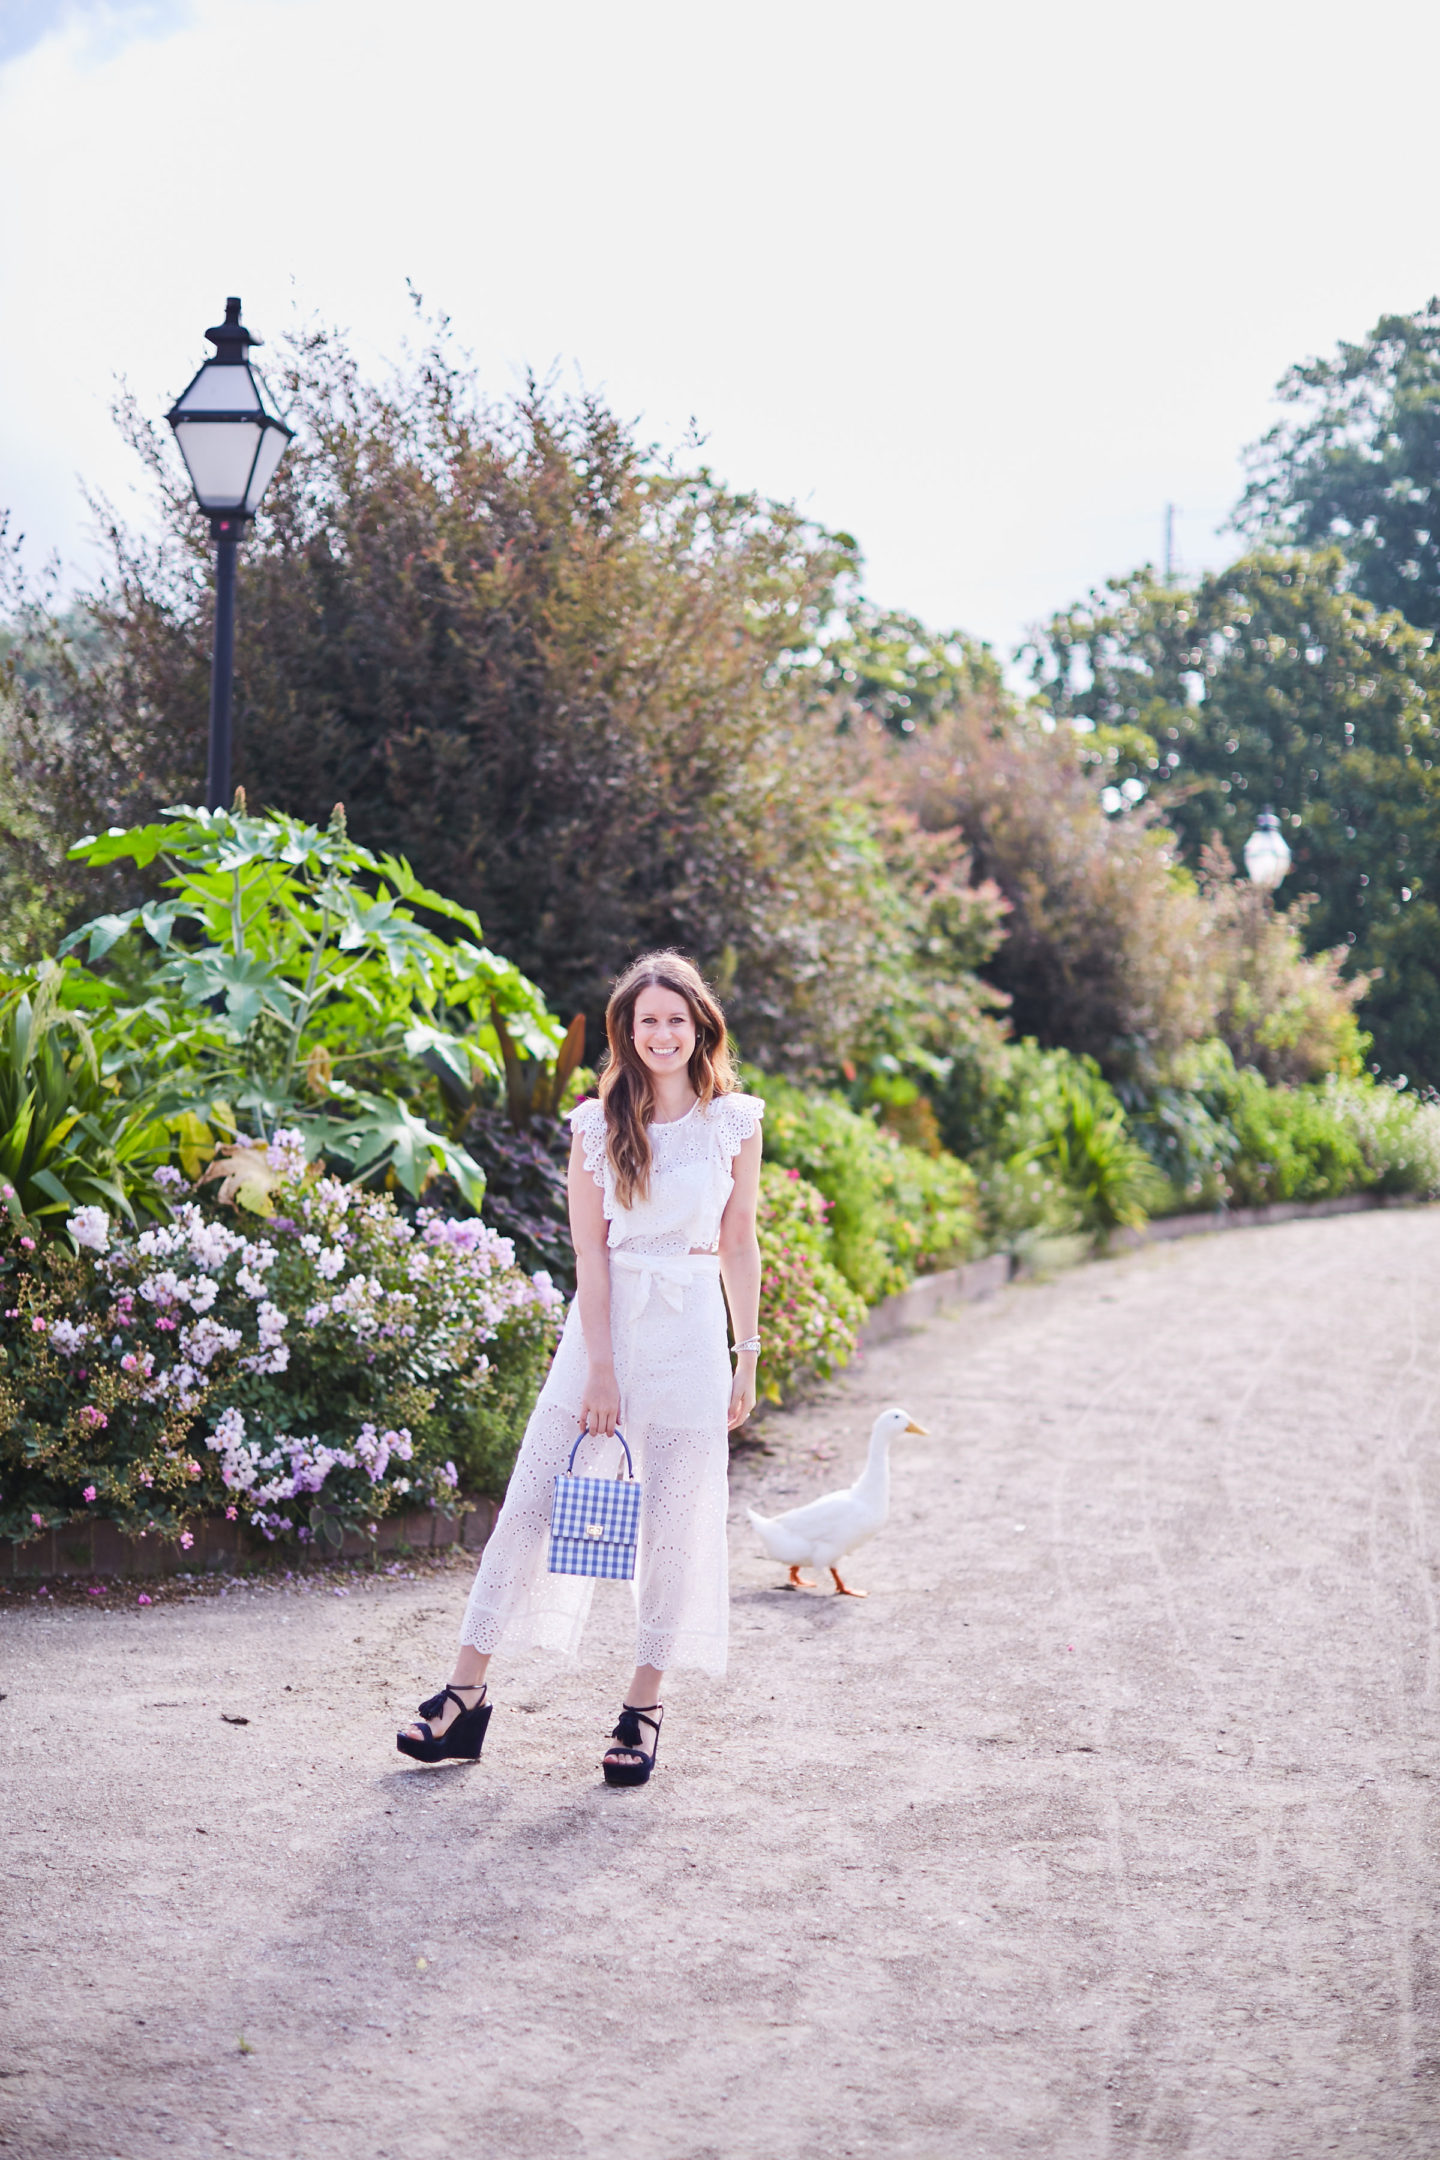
90,1227
229,1429
285,1152
270,1324
66,1336
206,1339
210,1242
546,1291
329,1264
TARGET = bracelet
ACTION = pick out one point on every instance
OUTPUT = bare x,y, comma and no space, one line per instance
751,1342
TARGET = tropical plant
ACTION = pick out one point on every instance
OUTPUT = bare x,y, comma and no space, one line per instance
67,1138
308,990
1089,1149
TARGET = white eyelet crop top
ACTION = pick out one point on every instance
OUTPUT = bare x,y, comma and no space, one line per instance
690,1179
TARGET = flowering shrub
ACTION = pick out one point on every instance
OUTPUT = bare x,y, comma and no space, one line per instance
809,1315
1397,1133
895,1211
306,1372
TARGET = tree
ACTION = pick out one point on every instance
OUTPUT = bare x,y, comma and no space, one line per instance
1273,683
901,673
579,688
1106,948
1356,464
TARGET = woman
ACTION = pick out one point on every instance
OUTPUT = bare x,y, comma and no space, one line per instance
664,1178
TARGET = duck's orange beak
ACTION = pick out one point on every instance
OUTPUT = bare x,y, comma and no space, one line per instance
913,1427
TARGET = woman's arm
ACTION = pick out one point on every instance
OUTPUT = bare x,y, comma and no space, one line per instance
740,1272
589,1234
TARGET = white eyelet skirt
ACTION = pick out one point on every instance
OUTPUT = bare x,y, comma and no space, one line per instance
668,1329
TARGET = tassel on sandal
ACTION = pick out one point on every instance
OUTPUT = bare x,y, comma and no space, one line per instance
627,1732
461,1740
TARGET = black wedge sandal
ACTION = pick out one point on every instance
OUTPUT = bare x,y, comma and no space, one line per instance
627,1732
462,1738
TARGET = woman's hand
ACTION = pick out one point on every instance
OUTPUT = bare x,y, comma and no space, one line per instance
600,1404
742,1390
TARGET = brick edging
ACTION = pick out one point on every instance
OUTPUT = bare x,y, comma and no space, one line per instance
98,1548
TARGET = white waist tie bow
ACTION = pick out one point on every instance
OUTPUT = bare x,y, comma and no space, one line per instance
671,1277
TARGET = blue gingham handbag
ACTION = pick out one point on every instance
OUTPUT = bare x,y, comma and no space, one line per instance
595,1521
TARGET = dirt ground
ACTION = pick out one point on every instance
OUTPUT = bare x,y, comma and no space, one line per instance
1106,1826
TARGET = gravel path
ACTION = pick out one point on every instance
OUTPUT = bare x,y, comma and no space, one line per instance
1105,1827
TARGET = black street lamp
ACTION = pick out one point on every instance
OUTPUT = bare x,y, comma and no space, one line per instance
231,438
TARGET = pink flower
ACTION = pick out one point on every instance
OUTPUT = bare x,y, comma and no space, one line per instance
97,1590
28,1243
143,1600
230,1514
39,1521
186,1540
88,1495
193,1468
37,1325
95,1419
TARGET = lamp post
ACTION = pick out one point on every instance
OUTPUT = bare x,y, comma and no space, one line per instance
1267,859
231,438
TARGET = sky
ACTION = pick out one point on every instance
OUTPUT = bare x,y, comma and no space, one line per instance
987,286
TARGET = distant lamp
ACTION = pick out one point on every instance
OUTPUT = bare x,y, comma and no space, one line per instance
231,438
1267,858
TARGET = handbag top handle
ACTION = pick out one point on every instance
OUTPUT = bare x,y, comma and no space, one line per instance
628,1471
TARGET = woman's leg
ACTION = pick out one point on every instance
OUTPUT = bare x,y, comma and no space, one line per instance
513,1589
682,1587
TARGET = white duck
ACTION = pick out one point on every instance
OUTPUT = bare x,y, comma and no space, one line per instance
824,1530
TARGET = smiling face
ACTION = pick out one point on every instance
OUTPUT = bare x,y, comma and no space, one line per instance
663,1029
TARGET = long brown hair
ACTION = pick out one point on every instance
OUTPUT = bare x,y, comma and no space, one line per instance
625,1084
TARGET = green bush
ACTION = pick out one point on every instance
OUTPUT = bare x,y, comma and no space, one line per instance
1292,1144
1054,1152
809,1315
1398,1134
895,1211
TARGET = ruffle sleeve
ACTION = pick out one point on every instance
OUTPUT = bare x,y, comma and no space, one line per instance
587,1119
733,1119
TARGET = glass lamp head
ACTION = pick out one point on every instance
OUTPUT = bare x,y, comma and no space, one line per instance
230,433
1267,858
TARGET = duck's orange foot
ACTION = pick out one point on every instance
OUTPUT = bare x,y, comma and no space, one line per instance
843,1589
798,1581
